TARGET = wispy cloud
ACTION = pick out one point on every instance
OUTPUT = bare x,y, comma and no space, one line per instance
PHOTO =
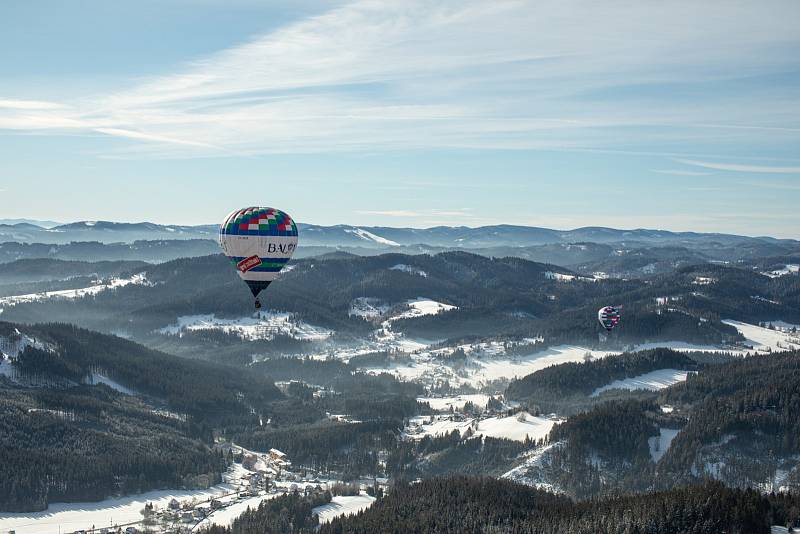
509,74
736,167
141,136
678,172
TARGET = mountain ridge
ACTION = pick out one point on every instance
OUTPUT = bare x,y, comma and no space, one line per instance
375,236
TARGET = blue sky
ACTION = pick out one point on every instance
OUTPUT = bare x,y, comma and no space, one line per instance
674,115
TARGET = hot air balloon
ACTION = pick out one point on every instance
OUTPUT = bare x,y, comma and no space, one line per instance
259,242
608,316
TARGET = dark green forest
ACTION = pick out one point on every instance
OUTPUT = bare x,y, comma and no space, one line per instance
478,505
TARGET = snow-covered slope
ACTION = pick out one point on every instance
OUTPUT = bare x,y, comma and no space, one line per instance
659,444
654,380
97,378
369,236
343,505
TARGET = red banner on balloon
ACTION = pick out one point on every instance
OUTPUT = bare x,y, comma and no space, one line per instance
248,263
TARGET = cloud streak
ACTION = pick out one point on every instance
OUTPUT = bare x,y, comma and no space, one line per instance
679,172
736,167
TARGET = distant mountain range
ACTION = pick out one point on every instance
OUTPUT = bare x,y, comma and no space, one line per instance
376,237
37,222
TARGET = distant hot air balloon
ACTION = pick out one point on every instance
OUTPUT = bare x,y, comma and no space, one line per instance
608,316
259,242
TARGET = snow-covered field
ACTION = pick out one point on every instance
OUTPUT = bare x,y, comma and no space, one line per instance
264,325
764,339
512,427
343,505
486,366
421,306
488,362
74,293
69,517
506,368
654,380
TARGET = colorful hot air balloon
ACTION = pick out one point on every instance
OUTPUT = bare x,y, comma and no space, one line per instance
259,242
608,316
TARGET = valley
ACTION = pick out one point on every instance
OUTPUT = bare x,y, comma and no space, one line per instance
370,371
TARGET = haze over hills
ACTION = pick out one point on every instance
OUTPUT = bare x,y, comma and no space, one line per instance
374,237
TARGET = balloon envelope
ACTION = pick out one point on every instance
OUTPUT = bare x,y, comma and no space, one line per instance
259,242
608,316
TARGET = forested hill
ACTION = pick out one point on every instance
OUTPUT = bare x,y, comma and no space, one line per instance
478,505
734,422
84,416
749,405
206,391
89,443
507,296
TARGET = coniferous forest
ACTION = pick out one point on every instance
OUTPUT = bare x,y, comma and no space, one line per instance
478,505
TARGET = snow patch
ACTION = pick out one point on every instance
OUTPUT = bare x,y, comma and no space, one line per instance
550,275
787,269
13,345
410,269
368,308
